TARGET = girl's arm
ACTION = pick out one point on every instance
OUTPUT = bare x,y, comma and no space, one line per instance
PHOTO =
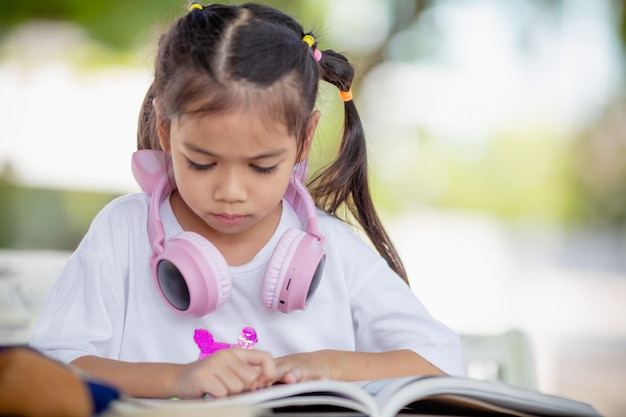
353,366
226,372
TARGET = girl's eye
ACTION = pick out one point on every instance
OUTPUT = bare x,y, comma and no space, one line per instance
199,167
264,170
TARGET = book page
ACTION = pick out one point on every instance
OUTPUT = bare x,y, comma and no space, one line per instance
497,394
168,408
311,393
386,398
456,405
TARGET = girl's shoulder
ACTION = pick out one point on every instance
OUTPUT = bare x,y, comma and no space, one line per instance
339,233
333,225
349,250
124,208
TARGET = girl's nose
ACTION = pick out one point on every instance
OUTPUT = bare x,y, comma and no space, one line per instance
231,187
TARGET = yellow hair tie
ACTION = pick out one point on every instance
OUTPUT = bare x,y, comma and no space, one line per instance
309,40
194,6
346,95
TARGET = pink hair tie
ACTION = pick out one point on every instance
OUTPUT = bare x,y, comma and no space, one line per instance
310,41
317,55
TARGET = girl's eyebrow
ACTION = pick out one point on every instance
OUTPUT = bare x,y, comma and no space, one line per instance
270,154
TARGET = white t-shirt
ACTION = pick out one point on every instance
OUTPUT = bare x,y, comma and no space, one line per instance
106,303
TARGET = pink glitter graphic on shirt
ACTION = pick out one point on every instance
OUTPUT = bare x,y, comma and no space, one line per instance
207,344
247,338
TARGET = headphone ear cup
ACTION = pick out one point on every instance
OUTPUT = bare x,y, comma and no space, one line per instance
293,272
192,275
275,272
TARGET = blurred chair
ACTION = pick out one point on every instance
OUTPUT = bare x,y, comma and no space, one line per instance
25,278
505,357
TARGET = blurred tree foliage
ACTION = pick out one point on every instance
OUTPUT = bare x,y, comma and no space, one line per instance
528,174
599,168
42,218
120,24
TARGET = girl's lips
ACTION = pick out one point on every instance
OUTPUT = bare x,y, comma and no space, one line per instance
229,218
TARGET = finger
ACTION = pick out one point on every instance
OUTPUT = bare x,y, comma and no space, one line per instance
231,382
246,373
235,379
264,366
292,375
215,387
260,359
225,373
283,367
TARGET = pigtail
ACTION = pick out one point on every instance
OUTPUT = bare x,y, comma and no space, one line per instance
147,135
345,181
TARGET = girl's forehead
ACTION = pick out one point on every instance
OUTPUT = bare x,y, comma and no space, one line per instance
235,133
236,119
277,106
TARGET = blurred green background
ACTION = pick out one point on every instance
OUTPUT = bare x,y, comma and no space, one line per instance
497,146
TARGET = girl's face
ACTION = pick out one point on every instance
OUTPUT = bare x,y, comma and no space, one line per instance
232,168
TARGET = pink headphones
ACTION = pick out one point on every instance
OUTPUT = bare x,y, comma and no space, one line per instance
191,274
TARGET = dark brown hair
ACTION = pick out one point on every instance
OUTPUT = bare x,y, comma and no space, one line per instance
221,56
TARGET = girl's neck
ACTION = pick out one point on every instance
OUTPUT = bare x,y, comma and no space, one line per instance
237,249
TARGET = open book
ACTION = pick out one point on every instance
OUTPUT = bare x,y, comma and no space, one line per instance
431,395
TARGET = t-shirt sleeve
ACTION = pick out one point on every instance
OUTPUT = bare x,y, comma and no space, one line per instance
85,305
387,315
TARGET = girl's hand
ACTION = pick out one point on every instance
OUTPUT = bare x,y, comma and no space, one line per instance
226,372
304,367
352,366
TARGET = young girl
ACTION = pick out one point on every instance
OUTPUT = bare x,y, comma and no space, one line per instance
227,238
